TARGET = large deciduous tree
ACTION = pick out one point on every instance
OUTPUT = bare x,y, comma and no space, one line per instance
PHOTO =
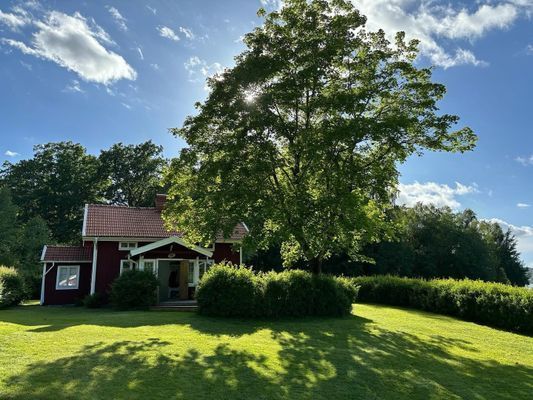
134,173
54,185
302,137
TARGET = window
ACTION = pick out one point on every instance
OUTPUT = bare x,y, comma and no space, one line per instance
149,265
191,271
68,277
204,266
127,265
127,245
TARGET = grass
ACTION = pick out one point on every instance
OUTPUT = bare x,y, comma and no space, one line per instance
377,353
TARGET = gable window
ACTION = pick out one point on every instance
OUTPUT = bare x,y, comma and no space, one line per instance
127,265
68,277
127,245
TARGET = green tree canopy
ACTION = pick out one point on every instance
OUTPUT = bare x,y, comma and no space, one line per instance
54,185
301,139
133,173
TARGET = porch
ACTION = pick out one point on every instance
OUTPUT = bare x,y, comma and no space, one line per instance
178,267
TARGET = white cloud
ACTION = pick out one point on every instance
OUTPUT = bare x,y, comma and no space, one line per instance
126,106
10,153
74,87
523,205
272,4
168,33
118,18
187,32
440,195
525,161
155,66
430,21
199,68
529,49
14,21
76,44
141,55
524,234
153,10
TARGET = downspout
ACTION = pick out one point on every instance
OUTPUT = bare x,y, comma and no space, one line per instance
240,255
93,270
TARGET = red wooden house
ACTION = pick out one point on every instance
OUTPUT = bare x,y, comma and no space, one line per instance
120,238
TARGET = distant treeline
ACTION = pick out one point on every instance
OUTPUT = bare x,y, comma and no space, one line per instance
430,242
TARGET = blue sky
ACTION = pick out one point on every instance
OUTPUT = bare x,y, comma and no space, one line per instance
99,72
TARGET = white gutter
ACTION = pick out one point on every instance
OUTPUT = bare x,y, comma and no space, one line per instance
45,272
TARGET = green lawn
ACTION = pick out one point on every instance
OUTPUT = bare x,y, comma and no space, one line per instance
377,353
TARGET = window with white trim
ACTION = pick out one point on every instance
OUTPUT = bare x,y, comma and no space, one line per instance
68,277
191,272
149,265
127,245
204,266
127,265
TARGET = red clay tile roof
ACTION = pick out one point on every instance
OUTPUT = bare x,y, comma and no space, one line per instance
67,253
136,222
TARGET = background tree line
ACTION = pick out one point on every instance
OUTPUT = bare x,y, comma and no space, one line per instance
430,242
42,198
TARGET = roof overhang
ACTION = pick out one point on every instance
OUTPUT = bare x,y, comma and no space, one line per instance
167,241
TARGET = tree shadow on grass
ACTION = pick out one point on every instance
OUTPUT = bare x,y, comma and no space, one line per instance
344,359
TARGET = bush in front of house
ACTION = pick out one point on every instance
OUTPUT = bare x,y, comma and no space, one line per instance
95,300
239,292
134,290
493,304
227,291
11,287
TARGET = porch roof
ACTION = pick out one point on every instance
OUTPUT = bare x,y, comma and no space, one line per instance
167,241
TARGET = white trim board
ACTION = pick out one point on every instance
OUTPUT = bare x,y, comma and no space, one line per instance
170,240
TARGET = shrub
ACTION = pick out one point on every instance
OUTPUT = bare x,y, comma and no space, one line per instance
134,290
493,304
11,287
228,292
238,292
95,300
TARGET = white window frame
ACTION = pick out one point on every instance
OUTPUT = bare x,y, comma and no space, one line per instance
59,268
127,245
205,264
150,260
134,265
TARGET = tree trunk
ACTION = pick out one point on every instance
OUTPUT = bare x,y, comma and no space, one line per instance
316,265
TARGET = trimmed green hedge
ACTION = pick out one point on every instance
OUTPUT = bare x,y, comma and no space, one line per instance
493,304
11,287
239,292
134,290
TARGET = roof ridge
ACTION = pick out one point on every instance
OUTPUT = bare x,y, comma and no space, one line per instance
120,206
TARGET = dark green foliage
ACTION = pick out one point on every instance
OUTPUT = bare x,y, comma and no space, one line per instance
493,304
238,292
95,300
134,290
302,138
133,173
228,292
54,185
11,287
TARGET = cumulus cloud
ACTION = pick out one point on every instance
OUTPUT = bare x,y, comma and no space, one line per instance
75,43
16,20
10,153
440,195
187,32
198,68
438,24
118,18
524,234
166,32
523,205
